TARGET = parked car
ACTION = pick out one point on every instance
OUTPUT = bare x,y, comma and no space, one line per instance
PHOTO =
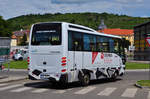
20,55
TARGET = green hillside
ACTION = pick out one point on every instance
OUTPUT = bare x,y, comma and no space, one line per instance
87,19
5,28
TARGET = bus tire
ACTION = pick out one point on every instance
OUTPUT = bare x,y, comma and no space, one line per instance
20,58
114,76
85,80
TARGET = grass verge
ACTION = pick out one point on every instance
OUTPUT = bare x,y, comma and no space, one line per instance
17,64
144,83
130,65
23,65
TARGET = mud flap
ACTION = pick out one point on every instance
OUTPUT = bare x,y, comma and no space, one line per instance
64,78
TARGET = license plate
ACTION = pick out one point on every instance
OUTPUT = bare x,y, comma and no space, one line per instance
44,76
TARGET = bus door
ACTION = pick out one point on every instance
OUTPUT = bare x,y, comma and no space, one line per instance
77,58
75,53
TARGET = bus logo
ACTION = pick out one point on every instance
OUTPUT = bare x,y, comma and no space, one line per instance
94,55
102,55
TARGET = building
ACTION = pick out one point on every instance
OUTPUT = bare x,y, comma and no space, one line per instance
124,33
142,50
102,25
19,35
13,40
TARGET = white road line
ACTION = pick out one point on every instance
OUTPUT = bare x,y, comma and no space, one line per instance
21,89
129,92
148,97
3,85
59,91
85,90
107,91
9,87
39,90
69,89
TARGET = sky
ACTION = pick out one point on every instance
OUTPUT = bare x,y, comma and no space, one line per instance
14,8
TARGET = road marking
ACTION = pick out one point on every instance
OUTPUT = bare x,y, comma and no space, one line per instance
69,89
3,85
107,91
85,90
9,87
39,90
129,92
59,91
148,97
21,89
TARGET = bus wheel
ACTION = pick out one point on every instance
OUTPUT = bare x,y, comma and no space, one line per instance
85,80
114,76
20,58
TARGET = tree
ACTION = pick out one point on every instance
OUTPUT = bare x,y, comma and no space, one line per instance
23,40
127,43
5,28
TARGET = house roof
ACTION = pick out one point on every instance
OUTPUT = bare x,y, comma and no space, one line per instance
21,33
13,37
119,32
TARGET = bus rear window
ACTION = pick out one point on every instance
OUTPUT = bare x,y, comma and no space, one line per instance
46,34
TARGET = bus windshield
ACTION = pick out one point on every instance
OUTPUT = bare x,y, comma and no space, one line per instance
46,34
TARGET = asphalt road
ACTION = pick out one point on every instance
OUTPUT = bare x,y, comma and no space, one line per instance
122,88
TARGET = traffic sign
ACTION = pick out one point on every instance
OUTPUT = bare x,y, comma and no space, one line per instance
148,40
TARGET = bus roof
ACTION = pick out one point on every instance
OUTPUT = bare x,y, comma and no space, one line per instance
92,31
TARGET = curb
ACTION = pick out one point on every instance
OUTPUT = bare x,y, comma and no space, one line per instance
2,77
6,69
137,85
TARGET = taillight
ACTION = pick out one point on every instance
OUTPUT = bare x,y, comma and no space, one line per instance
28,60
63,61
3,67
64,70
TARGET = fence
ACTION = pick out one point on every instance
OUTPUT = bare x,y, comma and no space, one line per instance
4,51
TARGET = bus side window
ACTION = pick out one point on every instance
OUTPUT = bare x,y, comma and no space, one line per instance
92,43
89,42
99,44
86,41
116,46
121,48
77,41
105,44
70,41
111,45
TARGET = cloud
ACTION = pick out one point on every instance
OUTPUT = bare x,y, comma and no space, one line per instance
71,1
145,16
13,8
130,1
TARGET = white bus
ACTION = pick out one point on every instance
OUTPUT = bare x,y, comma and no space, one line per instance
65,52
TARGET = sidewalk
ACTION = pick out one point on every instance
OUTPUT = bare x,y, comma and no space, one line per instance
11,78
12,75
